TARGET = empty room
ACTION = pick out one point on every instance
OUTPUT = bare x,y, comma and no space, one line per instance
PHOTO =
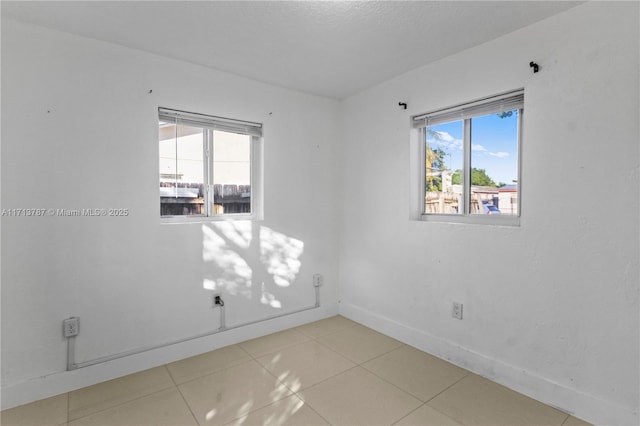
320,213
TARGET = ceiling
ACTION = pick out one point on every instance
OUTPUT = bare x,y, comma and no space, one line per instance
328,48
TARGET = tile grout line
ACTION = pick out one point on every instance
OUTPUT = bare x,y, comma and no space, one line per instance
177,388
385,353
308,405
166,367
278,381
294,392
410,412
401,389
255,358
68,407
251,358
361,365
324,345
211,373
443,391
195,419
122,403
423,403
356,363
297,394
565,420
352,360
175,384
328,378
448,387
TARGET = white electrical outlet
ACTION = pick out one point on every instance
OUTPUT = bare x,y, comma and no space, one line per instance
317,280
71,327
457,310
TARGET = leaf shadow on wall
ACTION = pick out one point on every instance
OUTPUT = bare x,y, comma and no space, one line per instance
250,260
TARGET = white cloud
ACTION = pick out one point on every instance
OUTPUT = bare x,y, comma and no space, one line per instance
445,136
480,148
445,140
500,154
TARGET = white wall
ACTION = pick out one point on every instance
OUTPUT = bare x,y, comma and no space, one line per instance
79,130
559,321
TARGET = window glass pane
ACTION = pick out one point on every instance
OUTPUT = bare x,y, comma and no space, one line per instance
181,170
444,162
231,173
494,164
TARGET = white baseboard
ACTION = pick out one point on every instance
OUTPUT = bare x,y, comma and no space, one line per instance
66,381
588,407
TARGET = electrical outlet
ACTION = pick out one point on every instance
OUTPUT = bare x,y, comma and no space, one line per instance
71,327
217,300
317,280
457,310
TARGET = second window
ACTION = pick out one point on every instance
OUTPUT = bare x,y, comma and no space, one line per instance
471,157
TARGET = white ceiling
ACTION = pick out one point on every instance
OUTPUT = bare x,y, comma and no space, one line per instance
328,48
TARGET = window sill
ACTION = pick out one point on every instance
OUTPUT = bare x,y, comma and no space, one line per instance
207,219
491,220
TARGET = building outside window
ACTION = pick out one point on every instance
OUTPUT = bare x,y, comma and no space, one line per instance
209,166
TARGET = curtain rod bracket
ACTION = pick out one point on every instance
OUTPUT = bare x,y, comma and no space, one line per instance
535,66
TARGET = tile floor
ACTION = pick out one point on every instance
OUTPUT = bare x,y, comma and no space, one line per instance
333,371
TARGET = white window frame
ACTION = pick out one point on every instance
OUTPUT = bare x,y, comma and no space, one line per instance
210,123
511,100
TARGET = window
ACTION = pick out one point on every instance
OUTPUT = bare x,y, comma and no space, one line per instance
209,166
471,160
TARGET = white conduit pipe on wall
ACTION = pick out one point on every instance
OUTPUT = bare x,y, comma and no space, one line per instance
71,341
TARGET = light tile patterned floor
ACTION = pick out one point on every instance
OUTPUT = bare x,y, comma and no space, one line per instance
330,372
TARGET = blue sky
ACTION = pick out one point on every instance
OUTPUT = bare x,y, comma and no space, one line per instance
494,145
